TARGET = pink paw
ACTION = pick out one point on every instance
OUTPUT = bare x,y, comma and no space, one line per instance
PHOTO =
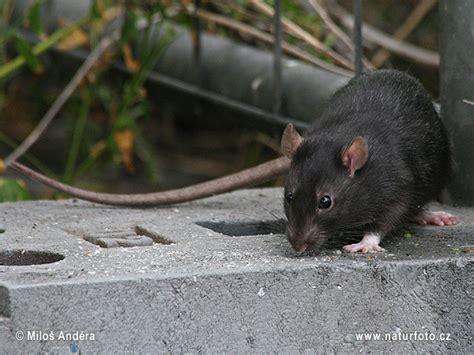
436,218
363,247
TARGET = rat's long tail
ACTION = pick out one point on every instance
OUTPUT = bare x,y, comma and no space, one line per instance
244,178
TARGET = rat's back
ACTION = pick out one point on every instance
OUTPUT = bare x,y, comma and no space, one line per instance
395,113
383,92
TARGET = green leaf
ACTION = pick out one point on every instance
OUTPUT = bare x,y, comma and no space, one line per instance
129,29
26,51
330,40
34,18
13,190
95,11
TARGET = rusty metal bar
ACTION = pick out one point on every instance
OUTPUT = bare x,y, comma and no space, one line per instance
357,8
197,43
277,70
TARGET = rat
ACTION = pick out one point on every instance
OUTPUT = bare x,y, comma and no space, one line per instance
377,154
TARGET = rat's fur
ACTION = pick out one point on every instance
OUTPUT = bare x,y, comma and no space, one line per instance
408,160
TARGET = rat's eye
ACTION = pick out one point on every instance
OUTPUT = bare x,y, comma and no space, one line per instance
289,196
325,202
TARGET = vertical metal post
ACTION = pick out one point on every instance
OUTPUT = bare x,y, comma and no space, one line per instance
457,92
277,75
197,43
357,8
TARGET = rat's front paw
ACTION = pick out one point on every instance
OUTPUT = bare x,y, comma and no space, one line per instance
363,248
368,244
436,218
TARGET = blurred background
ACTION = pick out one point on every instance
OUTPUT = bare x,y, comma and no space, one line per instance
186,90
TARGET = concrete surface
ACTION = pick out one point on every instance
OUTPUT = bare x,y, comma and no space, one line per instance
167,280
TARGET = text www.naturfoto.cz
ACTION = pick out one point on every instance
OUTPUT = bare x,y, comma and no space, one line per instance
400,336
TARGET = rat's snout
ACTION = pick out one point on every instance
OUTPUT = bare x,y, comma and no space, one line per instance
301,240
299,246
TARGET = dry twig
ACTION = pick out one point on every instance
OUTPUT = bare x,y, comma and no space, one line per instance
405,29
297,31
267,38
62,98
332,26
371,34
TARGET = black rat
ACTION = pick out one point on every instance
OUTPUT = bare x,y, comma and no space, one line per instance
377,154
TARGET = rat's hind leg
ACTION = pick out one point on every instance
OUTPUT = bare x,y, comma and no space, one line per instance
436,218
368,244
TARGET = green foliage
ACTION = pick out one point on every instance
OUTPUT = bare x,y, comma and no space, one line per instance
9,142
105,118
13,190
34,18
149,51
124,106
95,12
26,51
11,66
297,14
92,143
129,30
77,134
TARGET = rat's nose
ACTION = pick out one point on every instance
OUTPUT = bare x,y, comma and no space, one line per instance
302,248
298,245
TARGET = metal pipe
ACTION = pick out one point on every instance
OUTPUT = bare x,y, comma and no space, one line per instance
188,88
233,75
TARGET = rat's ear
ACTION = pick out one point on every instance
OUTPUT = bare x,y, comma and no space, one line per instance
290,140
355,155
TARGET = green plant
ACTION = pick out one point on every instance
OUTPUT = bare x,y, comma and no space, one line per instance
13,190
90,142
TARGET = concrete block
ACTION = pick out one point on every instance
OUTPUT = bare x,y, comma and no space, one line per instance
218,275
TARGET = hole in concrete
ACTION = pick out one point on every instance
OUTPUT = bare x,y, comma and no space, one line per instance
28,257
238,229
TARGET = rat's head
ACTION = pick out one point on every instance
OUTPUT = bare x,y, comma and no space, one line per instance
322,186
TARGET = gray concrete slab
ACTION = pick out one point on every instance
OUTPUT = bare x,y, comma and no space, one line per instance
218,275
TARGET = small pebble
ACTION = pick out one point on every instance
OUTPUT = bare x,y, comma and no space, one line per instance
350,338
2,229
